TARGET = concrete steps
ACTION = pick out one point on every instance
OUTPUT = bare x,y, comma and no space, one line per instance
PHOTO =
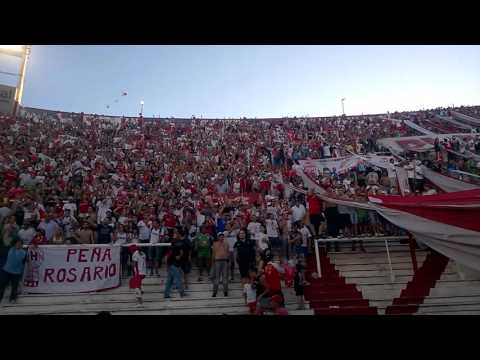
448,308
168,307
198,301
370,272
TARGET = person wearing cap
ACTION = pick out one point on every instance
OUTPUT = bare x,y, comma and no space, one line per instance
220,256
11,272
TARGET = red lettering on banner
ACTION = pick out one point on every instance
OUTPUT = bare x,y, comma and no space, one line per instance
72,275
114,268
98,270
48,273
86,271
61,275
82,257
106,254
96,252
70,252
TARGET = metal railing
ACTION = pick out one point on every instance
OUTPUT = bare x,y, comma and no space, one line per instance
384,239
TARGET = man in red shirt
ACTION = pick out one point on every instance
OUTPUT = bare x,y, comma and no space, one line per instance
315,211
272,273
170,221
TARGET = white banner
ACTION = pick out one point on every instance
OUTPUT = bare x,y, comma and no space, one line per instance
340,165
418,143
53,269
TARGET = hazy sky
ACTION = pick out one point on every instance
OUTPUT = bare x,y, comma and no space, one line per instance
256,81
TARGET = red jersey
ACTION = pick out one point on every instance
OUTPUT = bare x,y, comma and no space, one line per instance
314,204
83,207
170,220
15,193
264,184
10,176
272,278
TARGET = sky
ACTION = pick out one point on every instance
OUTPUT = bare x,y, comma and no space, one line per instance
252,81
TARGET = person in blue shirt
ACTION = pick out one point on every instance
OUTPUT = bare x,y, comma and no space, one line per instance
11,273
220,222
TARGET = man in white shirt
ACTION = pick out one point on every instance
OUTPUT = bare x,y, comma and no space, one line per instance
419,179
31,213
326,151
69,224
27,233
262,240
143,232
306,237
102,207
154,251
273,232
253,227
70,205
139,269
298,212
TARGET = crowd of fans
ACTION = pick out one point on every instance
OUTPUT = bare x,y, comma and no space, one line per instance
217,190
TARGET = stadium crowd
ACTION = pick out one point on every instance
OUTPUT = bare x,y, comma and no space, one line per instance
220,191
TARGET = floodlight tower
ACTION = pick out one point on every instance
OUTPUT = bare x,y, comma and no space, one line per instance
22,52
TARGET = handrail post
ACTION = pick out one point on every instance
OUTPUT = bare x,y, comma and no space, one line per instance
317,255
392,275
